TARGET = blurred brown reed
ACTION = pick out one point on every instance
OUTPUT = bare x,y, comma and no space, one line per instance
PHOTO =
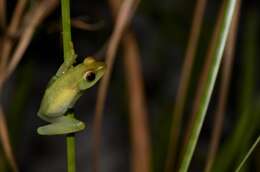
223,92
140,161
183,86
29,23
125,14
202,79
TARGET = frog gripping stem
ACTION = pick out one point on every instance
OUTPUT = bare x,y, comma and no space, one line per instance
63,125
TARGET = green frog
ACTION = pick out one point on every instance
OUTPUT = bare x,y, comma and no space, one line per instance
63,91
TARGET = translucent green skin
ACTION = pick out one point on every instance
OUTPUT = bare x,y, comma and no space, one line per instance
63,91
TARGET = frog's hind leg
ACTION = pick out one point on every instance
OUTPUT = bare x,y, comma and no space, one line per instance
63,125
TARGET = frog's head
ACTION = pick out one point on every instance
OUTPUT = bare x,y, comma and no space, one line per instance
93,71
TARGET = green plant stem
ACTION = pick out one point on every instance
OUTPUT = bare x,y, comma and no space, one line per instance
71,166
248,154
224,90
66,30
68,56
247,119
71,154
209,82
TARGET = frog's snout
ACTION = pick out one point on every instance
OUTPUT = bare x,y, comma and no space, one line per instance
101,69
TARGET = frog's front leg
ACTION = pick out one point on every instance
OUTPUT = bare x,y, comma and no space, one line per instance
68,62
62,125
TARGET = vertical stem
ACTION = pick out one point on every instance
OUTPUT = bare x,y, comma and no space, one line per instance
202,79
71,153
71,166
208,83
67,52
223,93
137,106
66,31
246,121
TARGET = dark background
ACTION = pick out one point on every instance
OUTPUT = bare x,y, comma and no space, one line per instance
162,29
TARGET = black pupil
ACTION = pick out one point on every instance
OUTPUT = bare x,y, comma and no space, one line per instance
91,76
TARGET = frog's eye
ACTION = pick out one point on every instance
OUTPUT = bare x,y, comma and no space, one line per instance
90,76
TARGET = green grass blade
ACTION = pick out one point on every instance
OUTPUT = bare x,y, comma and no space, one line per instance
209,82
244,128
182,92
248,154
226,74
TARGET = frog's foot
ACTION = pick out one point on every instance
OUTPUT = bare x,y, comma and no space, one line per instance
63,125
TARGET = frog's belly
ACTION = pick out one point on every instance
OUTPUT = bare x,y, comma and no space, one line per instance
56,104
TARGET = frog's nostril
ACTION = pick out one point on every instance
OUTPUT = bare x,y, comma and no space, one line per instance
101,67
